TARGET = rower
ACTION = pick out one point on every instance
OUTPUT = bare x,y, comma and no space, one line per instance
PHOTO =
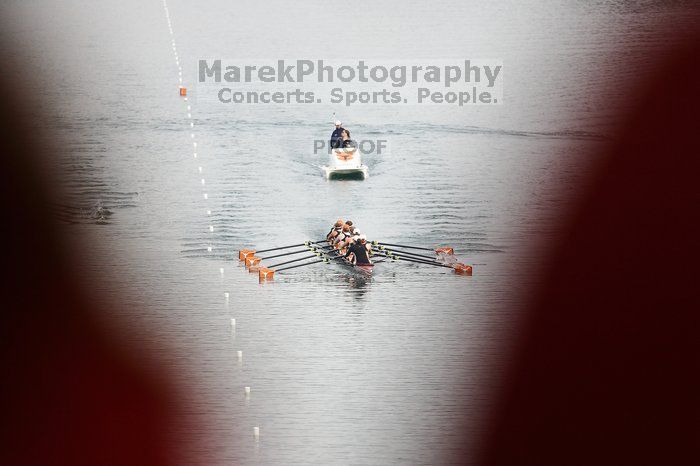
345,140
336,135
351,236
335,231
343,235
359,250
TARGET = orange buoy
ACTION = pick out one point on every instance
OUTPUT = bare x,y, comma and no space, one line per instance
183,91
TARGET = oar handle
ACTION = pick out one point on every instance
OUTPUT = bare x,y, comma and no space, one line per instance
325,253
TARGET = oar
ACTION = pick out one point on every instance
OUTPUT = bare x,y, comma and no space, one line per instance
401,246
445,250
325,253
243,254
283,254
458,267
319,244
283,247
381,248
267,273
300,265
294,260
410,259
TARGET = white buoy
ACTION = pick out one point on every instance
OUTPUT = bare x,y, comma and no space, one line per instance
211,227
239,354
226,295
208,212
206,196
203,182
221,270
233,322
256,432
195,155
191,124
192,135
189,109
194,144
199,169
247,391
208,248
189,115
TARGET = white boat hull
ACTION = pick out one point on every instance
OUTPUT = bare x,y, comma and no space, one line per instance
345,162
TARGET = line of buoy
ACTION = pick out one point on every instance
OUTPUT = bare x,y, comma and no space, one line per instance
182,90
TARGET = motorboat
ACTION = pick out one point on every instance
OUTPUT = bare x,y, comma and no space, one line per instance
345,162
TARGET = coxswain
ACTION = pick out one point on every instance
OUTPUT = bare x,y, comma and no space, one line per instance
358,251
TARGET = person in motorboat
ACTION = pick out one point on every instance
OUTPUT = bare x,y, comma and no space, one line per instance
358,252
335,231
345,140
335,136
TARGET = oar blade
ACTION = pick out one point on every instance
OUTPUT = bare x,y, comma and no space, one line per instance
265,274
463,269
243,253
252,260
